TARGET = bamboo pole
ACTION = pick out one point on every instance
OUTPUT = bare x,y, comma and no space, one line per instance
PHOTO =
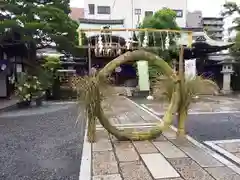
89,61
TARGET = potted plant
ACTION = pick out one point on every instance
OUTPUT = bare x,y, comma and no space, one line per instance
23,92
37,90
29,88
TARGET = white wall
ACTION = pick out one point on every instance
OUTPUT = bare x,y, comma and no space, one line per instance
123,9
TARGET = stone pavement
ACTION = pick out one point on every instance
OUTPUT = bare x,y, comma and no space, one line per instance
166,158
205,104
120,111
228,148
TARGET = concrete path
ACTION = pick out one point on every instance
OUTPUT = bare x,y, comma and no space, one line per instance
166,158
41,143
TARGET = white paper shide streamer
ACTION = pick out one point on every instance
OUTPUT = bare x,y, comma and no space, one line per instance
190,69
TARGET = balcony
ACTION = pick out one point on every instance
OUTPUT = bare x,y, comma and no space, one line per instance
207,22
214,28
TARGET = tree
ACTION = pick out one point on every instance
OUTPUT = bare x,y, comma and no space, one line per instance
162,19
235,49
39,24
231,8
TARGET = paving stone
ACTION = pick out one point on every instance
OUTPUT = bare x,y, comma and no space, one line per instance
134,171
237,155
170,179
125,151
189,169
223,173
145,147
134,117
102,145
145,116
104,163
160,138
102,135
123,119
169,150
158,166
170,134
230,147
107,177
182,142
114,120
199,155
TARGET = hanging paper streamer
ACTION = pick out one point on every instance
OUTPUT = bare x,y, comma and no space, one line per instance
145,40
190,69
128,41
100,43
167,41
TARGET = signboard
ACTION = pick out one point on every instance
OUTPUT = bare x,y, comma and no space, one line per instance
143,76
190,69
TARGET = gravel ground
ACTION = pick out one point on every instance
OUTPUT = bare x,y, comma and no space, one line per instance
210,127
41,146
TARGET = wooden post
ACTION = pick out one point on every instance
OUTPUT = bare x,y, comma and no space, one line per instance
190,39
89,60
80,38
181,63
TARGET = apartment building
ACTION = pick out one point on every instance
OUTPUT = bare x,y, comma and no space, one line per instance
129,13
214,26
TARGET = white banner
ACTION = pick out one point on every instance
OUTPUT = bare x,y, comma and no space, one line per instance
143,76
190,68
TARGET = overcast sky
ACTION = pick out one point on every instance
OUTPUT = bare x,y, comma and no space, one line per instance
208,7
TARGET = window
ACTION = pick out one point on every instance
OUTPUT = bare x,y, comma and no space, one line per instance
179,13
91,8
148,13
103,10
137,11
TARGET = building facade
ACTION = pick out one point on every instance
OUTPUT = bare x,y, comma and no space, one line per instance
214,26
76,13
194,19
132,12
